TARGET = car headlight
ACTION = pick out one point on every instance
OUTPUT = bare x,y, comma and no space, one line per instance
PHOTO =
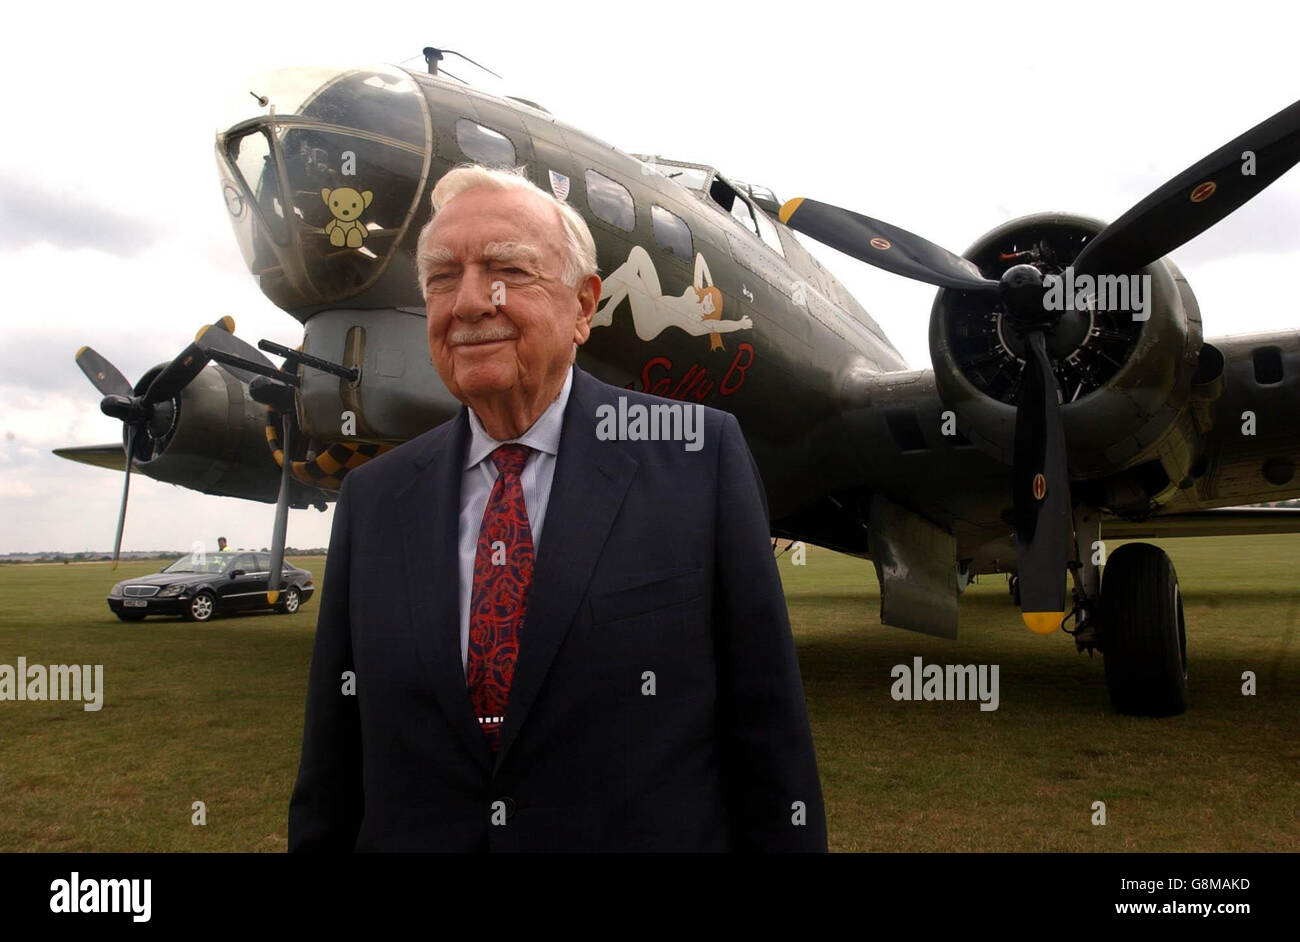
115,592
171,591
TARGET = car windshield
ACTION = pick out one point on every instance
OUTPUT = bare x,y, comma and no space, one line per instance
202,562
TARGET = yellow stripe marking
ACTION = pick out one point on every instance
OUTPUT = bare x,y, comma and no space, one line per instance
789,208
1042,623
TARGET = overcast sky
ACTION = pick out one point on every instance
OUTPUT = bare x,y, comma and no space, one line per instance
945,121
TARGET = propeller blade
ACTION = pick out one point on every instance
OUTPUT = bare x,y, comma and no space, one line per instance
126,489
1041,493
221,336
884,246
108,379
281,516
1197,198
176,375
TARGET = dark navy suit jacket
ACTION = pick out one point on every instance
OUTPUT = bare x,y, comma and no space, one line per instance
655,573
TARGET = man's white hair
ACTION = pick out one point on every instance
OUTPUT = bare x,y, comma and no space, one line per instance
578,253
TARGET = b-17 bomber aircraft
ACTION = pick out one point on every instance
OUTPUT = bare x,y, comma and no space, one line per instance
1071,393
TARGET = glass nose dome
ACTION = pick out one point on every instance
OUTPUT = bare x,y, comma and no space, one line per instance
322,183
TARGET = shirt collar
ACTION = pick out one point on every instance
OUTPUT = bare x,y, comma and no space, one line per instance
543,435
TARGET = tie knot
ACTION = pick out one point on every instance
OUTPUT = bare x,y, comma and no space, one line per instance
510,459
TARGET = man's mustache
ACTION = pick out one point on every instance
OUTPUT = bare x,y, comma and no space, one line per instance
482,334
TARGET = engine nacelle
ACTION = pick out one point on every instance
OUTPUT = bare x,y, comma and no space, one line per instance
211,437
1126,382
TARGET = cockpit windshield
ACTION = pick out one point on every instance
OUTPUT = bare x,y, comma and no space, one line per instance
212,563
322,186
694,177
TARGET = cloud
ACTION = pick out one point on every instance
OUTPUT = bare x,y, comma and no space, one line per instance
69,218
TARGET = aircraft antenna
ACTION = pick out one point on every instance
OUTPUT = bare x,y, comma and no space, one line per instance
433,55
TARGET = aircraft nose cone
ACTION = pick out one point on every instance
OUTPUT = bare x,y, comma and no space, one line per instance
379,116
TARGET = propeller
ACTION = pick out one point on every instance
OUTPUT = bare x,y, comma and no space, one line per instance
220,336
213,341
1040,483
1176,212
105,376
884,246
136,412
279,397
281,515
1197,198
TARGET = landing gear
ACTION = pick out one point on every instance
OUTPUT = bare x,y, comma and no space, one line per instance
1133,613
1142,633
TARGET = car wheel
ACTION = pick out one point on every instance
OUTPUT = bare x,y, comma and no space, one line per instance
130,616
290,599
202,607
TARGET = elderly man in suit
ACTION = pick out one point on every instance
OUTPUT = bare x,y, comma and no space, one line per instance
534,635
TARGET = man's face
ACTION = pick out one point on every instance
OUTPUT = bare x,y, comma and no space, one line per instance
500,318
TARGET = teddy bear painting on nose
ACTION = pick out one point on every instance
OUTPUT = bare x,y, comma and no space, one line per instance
346,206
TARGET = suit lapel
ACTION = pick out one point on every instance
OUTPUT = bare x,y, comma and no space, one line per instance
430,505
590,481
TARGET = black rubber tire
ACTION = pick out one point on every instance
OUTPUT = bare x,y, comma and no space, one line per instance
285,606
131,616
1143,634
197,610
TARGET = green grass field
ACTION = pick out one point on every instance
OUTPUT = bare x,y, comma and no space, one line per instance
213,713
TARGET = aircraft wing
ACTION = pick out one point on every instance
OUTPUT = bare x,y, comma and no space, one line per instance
1222,521
101,456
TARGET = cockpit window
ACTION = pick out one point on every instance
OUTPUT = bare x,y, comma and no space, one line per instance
767,229
253,157
693,178
484,145
732,201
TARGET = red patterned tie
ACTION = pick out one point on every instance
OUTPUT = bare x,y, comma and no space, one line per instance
503,571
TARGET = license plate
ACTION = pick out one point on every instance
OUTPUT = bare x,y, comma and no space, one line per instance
136,603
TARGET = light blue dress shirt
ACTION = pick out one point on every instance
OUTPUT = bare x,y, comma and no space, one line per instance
480,474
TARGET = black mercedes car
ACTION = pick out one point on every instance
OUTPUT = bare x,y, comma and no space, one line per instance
199,587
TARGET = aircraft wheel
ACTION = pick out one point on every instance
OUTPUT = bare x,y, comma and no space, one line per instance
1143,635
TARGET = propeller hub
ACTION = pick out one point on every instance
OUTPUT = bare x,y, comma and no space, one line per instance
123,408
1068,334
1021,288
